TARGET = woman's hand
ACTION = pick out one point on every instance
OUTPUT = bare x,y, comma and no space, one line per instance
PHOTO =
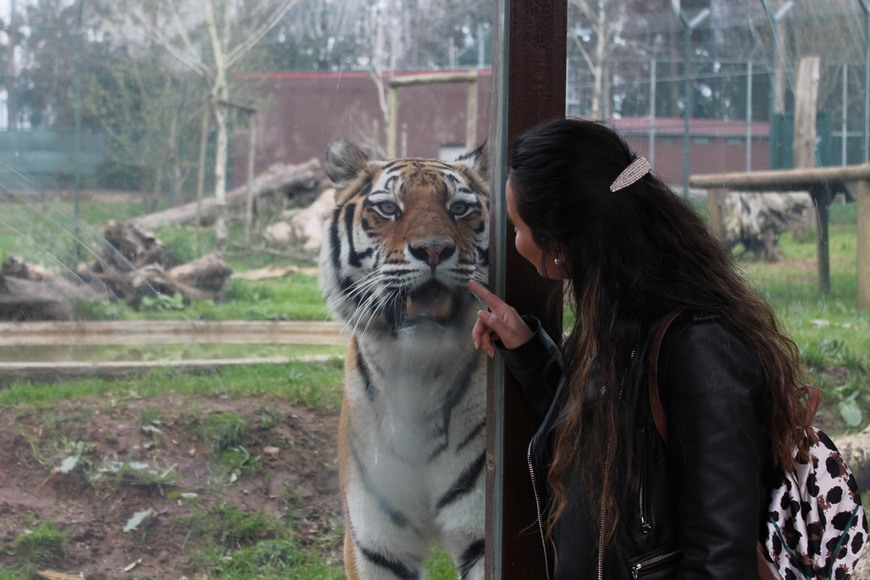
501,323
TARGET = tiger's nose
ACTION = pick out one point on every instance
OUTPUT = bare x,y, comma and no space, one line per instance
433,252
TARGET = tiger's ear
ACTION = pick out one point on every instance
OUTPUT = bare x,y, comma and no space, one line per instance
478,160
344,161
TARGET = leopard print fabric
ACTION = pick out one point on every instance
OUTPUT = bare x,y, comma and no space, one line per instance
816,526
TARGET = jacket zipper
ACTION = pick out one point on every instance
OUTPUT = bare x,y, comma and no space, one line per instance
638,568
538,508
645,525
607,473
603,513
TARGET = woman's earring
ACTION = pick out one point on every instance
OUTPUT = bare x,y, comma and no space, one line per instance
557,261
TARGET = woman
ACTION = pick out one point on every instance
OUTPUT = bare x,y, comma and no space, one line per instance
615,500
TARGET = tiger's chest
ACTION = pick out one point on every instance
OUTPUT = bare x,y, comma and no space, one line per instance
419,410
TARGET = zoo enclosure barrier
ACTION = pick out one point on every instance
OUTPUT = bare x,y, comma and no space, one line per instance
822,184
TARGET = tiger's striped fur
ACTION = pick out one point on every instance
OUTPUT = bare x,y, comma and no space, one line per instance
403,241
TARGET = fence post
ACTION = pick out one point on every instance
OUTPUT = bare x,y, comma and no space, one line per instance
714,211
860,190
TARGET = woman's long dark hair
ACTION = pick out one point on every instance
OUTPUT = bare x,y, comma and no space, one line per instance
633,255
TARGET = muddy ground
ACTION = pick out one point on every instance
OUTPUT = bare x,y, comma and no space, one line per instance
294,478
292,475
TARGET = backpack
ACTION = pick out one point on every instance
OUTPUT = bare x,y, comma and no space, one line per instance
816,526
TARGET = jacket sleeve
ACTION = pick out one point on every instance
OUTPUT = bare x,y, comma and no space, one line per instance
713,393
537,367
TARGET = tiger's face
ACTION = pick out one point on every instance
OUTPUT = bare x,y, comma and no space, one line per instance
404,239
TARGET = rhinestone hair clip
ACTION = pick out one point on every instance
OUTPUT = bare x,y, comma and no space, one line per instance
636,169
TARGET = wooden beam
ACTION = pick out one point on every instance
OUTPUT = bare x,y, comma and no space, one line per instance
396,83
782,180
821,197
170,332
431,78
393,123
860,190
471,107
714,210
821,183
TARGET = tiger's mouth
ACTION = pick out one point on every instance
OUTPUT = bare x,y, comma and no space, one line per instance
431,302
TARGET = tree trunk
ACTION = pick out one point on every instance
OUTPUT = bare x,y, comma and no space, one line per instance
220,96
804,144
806,102
278,179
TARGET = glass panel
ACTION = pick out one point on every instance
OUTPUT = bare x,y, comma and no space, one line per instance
730,67
161,164
713,91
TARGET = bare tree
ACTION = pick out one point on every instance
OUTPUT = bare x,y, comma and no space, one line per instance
210,37
599,27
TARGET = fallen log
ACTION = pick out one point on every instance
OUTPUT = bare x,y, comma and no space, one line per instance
302,226
24,300
16,267
278,179
202,278
132,246
208,273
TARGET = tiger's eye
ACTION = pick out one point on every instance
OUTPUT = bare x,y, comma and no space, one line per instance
459,208
387,208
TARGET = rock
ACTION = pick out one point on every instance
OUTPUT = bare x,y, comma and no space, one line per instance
855,449
756,220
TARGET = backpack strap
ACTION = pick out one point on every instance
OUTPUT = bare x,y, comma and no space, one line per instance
661,422
764,572
655,402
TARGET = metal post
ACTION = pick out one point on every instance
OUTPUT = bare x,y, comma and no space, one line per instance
690,25
774,23
687,108
78,124
866,131
651,154
844,121
249,192
749,116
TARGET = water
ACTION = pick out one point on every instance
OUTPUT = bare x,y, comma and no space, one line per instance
145,352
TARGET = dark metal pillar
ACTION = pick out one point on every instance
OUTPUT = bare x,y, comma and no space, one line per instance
529,70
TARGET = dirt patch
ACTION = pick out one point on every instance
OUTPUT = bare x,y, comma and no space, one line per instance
295,478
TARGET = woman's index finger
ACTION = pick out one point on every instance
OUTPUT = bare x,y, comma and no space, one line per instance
484,294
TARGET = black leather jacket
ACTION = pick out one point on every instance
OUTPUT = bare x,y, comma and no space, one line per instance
697,501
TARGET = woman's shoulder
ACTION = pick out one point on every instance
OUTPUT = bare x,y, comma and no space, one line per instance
700,349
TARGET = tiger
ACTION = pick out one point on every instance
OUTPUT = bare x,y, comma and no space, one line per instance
404,239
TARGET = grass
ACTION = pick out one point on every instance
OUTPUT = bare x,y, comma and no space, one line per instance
317,385
294,297
829,329
231,543
43,545
225,430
